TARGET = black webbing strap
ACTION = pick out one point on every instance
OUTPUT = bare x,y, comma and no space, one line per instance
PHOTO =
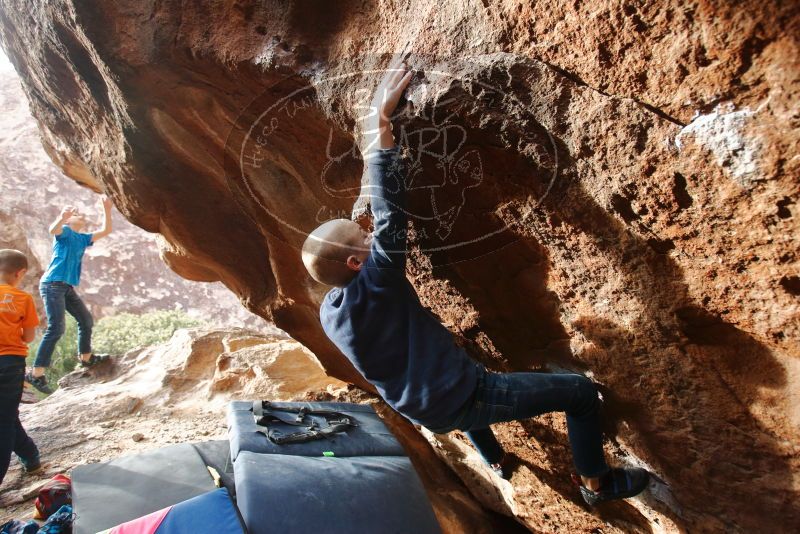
266,413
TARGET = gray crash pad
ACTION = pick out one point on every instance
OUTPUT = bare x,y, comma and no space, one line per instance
110,493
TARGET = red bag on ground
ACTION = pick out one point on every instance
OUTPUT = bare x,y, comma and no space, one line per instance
52,495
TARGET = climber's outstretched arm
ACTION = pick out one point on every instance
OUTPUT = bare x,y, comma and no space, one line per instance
387,181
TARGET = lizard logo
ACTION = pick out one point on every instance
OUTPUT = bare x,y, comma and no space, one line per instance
288,188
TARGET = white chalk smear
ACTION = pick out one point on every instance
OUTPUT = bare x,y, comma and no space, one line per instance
721,133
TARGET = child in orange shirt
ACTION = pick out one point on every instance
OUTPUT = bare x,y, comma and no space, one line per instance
18,323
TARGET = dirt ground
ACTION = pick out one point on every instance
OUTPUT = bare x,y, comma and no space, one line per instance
88,434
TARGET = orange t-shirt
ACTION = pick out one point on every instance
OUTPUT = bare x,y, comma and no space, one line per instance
16,312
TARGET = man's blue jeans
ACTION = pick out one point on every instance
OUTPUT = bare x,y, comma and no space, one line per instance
512,396
59,297
12,436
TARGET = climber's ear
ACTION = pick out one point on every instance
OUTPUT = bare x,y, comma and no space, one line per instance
354,264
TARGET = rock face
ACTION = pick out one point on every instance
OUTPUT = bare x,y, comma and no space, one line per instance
122,273
604,187
13,236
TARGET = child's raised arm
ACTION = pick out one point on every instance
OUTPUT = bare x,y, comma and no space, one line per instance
66,213
106,229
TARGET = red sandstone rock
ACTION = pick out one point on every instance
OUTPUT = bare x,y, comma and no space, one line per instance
624,200
121,274
13,236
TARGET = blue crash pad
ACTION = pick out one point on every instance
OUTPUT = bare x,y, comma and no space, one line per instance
209,512
280,494
369,438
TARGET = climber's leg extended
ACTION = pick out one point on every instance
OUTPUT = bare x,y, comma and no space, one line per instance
514,396
504,397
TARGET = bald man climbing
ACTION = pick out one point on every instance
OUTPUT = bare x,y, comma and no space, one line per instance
375,318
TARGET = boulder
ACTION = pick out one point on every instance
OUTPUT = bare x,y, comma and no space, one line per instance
602,187
13,236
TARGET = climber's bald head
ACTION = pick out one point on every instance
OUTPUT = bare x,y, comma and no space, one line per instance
335,251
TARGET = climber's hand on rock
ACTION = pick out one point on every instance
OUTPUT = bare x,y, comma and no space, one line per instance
388,93
106,202
377,129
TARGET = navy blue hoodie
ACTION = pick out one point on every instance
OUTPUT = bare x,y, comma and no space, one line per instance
378,322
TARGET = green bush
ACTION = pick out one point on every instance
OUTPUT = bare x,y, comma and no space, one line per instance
120,333
113,335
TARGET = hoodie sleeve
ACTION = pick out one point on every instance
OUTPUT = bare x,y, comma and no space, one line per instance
387,194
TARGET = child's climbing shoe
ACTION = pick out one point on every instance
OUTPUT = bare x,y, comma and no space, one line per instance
618,483
31,465
39,382
93,360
